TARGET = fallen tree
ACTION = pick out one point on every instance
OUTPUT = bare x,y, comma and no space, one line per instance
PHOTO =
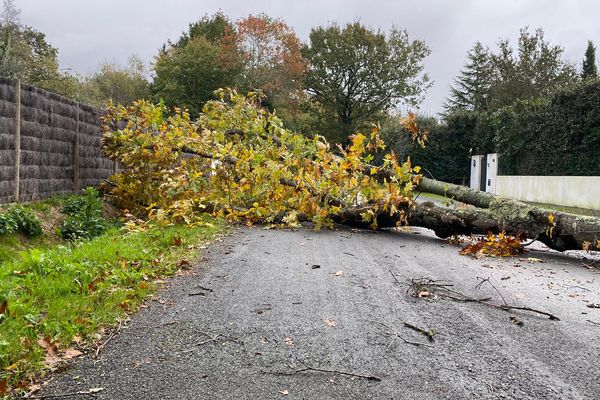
238,161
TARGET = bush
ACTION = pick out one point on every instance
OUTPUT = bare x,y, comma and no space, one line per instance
19,219
84,218
7,224
559,135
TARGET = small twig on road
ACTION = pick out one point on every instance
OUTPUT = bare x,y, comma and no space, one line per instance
398,335
203,288
426,285
325,371
592,322
101,345
484,280
63,395
395,278
214,338
429,333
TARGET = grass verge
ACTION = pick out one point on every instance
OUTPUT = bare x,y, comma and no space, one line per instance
55,299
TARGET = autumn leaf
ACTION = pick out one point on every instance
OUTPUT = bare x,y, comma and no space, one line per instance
71,353
585,246
51,358
330,322
288,341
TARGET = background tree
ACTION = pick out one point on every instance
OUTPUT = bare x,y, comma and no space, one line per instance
25,54
355,73
534,69
471,88
120,84
589,69
204,59
273,61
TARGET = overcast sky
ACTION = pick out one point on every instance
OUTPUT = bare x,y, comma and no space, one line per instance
90,32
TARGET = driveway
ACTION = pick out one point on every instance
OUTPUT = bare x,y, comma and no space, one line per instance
271,314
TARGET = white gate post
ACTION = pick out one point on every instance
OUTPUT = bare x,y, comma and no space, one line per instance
476,165
491,173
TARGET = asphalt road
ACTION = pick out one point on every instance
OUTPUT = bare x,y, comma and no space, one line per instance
282,301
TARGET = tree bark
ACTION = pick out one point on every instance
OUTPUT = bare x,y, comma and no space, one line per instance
568,232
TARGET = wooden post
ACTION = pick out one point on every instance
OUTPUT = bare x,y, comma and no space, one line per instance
76,181
17,139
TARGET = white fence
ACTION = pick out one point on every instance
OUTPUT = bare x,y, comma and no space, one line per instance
572,191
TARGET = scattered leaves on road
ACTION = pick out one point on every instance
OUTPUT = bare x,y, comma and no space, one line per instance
500,245
288,341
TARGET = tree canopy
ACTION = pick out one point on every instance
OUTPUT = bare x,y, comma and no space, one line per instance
355,73
203,60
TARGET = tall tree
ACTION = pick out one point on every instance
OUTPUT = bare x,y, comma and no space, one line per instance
589,69
355,73
205,58
273,61
471,88
491,80
25,54
534,69
120,84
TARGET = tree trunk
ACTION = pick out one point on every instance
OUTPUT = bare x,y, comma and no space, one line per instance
493,214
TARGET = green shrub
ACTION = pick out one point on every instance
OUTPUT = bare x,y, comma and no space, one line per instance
20,219
7,224
84,218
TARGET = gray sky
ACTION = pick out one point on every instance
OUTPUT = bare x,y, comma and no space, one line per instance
90,32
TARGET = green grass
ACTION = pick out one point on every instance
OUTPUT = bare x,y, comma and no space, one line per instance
442,199
75,289
570,210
